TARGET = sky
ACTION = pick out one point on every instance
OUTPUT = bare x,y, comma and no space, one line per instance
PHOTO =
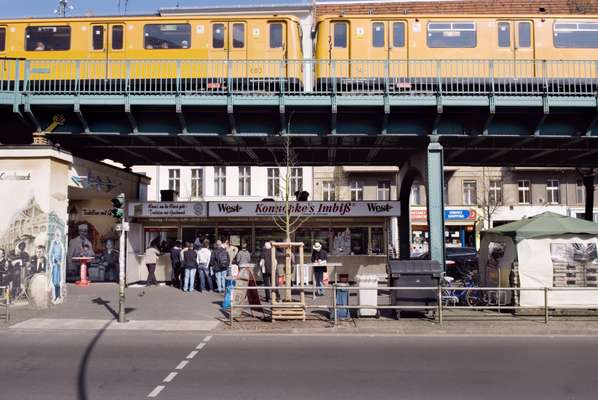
45,8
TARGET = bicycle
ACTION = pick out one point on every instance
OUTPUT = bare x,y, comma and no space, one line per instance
451,295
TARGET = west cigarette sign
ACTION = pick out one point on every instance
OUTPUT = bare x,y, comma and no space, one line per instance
308,208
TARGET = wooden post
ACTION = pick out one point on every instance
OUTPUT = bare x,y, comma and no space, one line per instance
273,272
301,273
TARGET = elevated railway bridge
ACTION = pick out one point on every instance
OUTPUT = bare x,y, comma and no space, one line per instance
420,115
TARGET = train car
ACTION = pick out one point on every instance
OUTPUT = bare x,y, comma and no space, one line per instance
203,51
365,50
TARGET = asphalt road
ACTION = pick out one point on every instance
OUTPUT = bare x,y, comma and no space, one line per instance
132,365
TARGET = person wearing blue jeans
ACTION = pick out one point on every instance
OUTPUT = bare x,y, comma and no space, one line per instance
220,261
319,258
203,261
189,261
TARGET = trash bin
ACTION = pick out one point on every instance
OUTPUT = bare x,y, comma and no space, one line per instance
414,273
342,299
228,285
368,297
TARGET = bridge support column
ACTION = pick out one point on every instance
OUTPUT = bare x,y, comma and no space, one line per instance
588,183
435,197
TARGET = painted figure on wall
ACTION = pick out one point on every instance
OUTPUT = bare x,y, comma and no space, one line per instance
19,260
109,260
79,246
4,269
56,256
39,263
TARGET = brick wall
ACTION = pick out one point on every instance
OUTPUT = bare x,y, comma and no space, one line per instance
465,7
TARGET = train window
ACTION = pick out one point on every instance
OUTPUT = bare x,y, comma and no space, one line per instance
2,39
340,35
167,36
576,35
452,35
398,34
524,30
238,36
504,34
47,38
276,36
378,34
118,35
97,37
218,36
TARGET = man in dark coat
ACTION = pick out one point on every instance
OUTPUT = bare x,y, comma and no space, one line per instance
110,260
175,261
39,262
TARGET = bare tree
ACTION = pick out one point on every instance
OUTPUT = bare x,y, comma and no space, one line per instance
490,197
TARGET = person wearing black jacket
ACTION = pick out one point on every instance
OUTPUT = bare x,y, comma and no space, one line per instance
189,260
175,261
219,261
319,256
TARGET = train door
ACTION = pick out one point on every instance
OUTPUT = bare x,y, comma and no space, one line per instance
517,38
339,48
229,43
389,43
276,49
108,46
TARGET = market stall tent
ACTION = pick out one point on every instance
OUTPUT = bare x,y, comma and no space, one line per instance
551,250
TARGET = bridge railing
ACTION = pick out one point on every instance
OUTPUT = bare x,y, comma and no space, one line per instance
301,77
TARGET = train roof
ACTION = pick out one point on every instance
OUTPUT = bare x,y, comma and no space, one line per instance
142,17
459,15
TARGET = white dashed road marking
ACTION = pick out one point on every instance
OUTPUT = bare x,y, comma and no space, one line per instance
156,391
182,364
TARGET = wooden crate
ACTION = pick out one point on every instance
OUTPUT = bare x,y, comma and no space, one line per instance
288,311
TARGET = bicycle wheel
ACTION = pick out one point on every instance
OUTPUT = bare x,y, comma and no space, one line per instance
474,298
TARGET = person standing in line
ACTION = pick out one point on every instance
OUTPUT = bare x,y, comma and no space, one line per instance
232,252
151,259
190,265
243,256
266,264
318,259
203,266
220,262
175,261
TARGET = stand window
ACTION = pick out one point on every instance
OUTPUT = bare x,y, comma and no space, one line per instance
47,38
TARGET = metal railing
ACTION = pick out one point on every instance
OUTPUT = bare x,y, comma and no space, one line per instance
301,77
5,301
439,296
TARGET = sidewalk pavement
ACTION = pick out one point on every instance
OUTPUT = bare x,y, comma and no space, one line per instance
147,308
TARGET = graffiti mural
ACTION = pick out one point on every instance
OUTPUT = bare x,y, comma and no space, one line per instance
26,247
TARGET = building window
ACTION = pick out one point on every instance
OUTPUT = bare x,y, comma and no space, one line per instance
273,182
244,181
167,36
197,182
219,181
451,34
553,192
340,35
384,190
579,192
415,198
470,193
47,38
174,180
576,34
296,180
445,192
523,188
495,192
356,191
328,191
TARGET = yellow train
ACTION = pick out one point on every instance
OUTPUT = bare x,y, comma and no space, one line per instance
521,46
166,48
263,53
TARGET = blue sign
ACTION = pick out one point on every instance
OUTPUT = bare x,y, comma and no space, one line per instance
458,215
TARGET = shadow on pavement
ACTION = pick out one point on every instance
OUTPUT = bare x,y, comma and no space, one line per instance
82,370
105,303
